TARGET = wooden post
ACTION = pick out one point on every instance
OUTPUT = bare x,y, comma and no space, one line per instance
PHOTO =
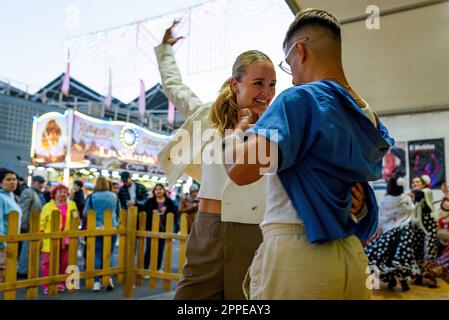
168,251
154,248
131,221
33,254
141,247
90,251
12,250
182,243
107,246
73,242
55,245
122,246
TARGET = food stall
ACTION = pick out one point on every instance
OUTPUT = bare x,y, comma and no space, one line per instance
75,146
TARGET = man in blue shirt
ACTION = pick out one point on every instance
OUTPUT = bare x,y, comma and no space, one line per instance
317,139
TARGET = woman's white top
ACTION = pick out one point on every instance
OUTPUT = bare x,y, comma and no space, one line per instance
213,172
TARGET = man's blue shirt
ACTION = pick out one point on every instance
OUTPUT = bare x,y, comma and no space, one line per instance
326,145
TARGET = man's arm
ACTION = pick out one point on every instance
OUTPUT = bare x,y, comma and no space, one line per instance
246,162
242,173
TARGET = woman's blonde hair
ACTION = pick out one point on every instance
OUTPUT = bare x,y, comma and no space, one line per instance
102,184
223,114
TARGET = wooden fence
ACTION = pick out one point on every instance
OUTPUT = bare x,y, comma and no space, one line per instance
126,271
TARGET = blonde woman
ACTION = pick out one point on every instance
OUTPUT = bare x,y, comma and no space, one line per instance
100,200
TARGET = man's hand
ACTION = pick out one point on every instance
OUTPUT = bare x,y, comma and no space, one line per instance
169,37
358,199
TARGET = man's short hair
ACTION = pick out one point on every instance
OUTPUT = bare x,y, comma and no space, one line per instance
313,17
124,176
39,179
79,183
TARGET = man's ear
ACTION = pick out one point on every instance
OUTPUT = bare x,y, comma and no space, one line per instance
302,51
234,84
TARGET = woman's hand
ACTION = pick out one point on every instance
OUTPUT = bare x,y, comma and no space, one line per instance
169,37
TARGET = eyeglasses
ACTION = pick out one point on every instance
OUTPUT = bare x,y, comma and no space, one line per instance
284,64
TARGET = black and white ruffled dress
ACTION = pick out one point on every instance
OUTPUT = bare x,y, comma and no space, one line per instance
392,253
425,238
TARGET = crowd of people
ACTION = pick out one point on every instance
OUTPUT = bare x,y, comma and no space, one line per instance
301,223
106,195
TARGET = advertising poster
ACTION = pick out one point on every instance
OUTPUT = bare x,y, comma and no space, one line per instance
427,157
393,164
49,143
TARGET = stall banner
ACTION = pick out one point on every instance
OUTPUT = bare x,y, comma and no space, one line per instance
393,164
116,144
49,140
427,157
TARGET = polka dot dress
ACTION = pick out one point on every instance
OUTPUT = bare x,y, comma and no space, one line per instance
392,252
401,251
425,246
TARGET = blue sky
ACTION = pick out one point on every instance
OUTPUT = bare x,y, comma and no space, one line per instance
32,35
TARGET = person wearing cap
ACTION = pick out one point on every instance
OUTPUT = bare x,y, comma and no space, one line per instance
132,193
31,199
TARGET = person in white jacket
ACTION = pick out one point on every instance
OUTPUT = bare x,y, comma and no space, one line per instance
226,233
